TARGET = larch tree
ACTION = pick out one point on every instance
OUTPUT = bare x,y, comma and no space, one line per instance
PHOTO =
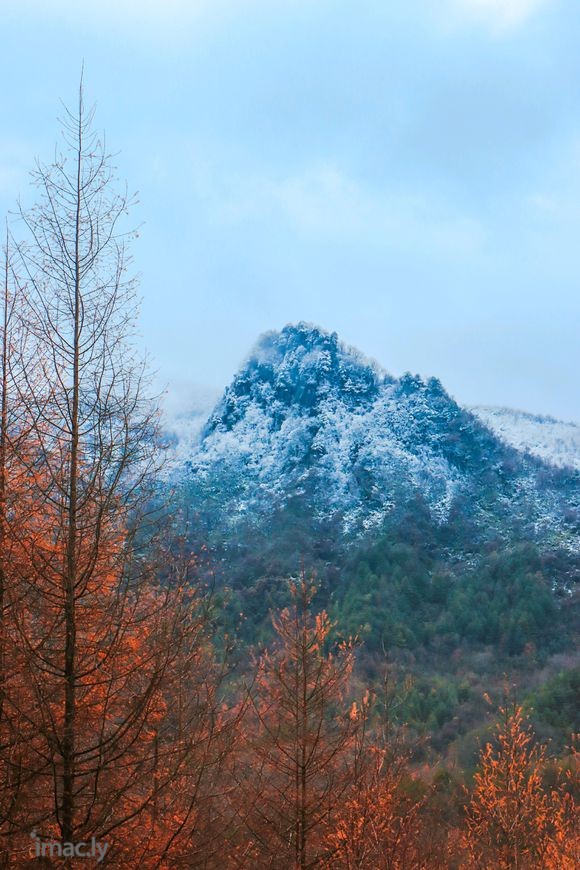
377,825
98,637
299,736
509,820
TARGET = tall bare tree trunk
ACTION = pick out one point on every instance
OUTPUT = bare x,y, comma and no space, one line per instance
68,746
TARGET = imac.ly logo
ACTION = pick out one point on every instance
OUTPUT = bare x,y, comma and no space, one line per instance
56,849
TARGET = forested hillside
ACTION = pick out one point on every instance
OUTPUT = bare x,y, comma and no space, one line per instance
452,557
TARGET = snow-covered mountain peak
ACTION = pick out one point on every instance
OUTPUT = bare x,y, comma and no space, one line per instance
298,369
312,426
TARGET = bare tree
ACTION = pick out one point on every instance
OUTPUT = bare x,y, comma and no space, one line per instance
87,627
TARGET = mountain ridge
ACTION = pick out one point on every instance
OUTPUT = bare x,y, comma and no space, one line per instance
553,440
310,424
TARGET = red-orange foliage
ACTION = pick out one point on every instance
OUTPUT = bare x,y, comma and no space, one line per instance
512,821
563,847
377,825
294,773
112,720
150,731
109,712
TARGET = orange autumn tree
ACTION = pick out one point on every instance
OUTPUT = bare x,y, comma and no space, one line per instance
112,690
185,815
377,824
298,737
92,431
563,848
17,375
512,821
150,729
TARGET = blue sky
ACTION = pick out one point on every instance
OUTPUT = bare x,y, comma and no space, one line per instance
405,173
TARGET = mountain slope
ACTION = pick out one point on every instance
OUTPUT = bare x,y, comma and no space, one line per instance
554,441
312,428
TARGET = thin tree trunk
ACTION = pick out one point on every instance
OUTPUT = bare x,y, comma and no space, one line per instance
68,747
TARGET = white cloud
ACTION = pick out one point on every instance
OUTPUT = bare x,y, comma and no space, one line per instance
500,15
324,204
131,17
135,17
156,18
